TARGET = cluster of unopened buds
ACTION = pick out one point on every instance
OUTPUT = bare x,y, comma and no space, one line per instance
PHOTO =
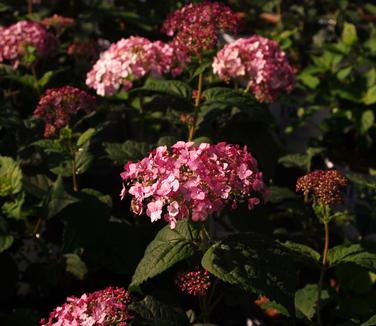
57,23
131,59
196,27
260,63
108,307
192,181
16,38
195,282
324,185
57,105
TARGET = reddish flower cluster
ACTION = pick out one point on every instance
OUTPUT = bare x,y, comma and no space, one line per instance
131,59
196,26
84,49
107,307
194,181
58,23
196,282
16,38
258,61
57,105
324,186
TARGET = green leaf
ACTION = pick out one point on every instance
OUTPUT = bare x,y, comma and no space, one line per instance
167,141
370,96
279,194
75,266
85,137
201,140
58,199
344,73
48,145
370,322
13,209
253,262
152,312
43,81
309,80
130,150
201,69
349,35
367,121
6,239
300,160
358,254
303,254
170,87
10,177
168,248
362,180
306,299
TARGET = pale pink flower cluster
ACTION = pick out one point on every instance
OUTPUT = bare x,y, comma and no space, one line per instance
106,307
15,38
131,59
258,61
192,181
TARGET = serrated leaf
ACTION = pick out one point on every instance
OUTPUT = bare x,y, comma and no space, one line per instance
306,300
298,160
168,248
130,150
58,199
75,266
48,145
309,80
171,87
201,69
6,239
10,177
357,254
155,313
303,254
13,208
253,262
367,121
343,73
43,81
370,322
370,96
349,34
85,137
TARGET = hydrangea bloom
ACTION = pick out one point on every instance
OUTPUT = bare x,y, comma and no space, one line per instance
57,105
196,282
196,26
88,49
107,307
194,181
258,61
130,59
15,38
325,186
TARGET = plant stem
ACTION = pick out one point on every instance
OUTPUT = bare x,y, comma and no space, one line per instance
35,76
74,175
323,269
142,119
29,7
192,128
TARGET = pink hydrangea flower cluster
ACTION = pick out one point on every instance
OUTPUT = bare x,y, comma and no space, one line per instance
195,282
131,59
106,307
15,38
258,61
192,181
57,105
196,26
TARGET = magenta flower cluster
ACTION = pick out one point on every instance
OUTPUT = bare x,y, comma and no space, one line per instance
15,38
106,307
259,62
131,59
196,26
192,181
195,282
57,105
